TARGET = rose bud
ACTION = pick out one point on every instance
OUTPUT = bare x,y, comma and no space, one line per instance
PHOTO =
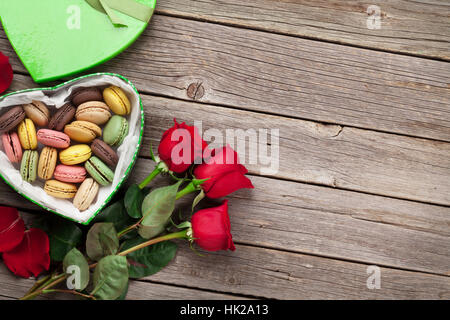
180,146
12,228
211,228
31,256
224,173
6,73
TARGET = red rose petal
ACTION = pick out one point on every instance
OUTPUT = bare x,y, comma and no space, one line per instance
186,138
6,73
31,256
12,228
226,184
211,228
224,173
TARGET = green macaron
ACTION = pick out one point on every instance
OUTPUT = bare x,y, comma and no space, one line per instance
99,171
115,131
29,165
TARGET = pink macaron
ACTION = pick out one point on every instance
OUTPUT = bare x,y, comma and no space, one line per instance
12,146
71,174
53,138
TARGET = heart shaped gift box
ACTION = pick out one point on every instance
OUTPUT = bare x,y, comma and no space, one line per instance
127,152
57,38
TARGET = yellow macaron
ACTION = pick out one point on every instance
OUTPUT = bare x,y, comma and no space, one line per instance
83,131
117,100
60,189
27,134
75,154
47,163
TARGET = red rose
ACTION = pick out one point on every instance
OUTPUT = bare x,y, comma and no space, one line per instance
225,173
12,228
6,73
180,146
211,228
31,256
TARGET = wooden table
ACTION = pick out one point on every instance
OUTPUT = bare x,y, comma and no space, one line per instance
364,122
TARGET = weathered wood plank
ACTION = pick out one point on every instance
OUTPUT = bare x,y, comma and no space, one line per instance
334,223
259,272
287,76
142,290
14,287
414,27
282,275
312,152
331,155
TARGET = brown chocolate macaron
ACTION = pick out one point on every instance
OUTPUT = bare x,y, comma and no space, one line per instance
62,117
86,94
11,119
102,150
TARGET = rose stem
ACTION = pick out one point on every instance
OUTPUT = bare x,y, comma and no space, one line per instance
191,187
150,177
61,277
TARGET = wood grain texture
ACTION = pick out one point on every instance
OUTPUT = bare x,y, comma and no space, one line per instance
333,223
268,273
331,155
14,288
260,273
286,76
413,27
302,218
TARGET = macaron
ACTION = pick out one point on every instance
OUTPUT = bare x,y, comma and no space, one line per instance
58,189
12,146
29,164
93,111
27,134
11,119
72,174
62,117
47,163
99,171
38,112
75,154
86,194
83,131
117,100
103,151
53,138
83,95
115,131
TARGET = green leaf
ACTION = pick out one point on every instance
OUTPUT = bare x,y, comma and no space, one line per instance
102,241
157,208
149,260
63,237
76,258
123,295
117,214
110,278
133,201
